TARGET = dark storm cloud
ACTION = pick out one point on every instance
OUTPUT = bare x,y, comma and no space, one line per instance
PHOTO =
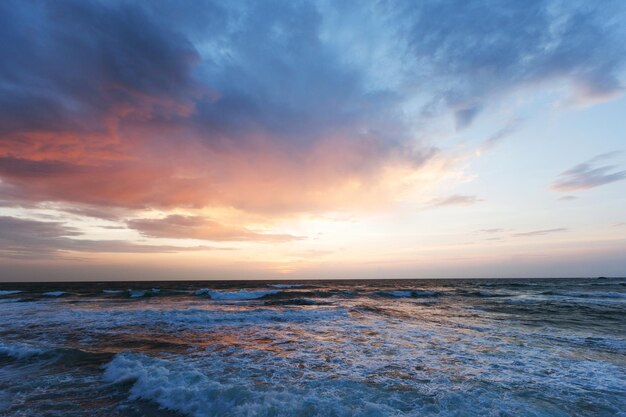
589,175
33,239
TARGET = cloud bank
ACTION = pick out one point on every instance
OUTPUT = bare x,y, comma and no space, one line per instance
274,107
33,239
195,227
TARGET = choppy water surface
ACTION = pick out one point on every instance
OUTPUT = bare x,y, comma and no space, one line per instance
349,348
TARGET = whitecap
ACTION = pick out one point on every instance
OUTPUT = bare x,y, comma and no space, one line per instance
179,386
54,293
20,350
240,295
414,293
285,286
398,293
586,294
234,295
9,292
136,293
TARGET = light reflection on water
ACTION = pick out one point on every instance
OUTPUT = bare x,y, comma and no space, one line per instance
351,348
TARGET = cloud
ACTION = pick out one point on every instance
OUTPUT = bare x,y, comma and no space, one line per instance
72,65
33,240
501,134
195,227
568,198
475,51
589,175
491,231
456,200
270,108
540,232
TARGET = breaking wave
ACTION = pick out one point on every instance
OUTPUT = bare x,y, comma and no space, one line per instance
409,293
585,294
285,286
18,350
235,295
54,293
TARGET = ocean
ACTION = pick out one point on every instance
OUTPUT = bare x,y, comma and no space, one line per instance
314,348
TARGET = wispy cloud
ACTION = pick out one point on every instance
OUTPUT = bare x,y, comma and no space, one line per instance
33,239
491,231
501,134
589,175
456,200
196,227
539,232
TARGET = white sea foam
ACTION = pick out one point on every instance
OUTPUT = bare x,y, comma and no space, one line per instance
179,386
9,292
25,314
588,294
5,400
136,293
235,295
398,293
285,286
20,350
112,291
414,293
54,293
408,359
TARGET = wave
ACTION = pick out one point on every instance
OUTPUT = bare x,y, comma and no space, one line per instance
184,388
585,294
18,350
484,294
168,383
295,302
54,293
136,293
143,293
235,295
113,291
285,286
408,294
9,292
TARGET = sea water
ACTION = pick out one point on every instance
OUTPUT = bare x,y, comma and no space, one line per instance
314,348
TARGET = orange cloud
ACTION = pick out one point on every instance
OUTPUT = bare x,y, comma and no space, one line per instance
195,227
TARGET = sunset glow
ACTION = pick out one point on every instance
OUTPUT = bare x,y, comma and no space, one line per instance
243,140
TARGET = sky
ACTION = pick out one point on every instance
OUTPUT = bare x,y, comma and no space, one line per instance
312,139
